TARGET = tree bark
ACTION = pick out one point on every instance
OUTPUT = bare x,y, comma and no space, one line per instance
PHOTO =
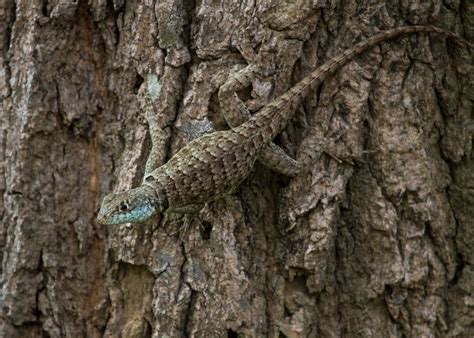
382,239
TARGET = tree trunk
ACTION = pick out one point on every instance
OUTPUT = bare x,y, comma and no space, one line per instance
376,240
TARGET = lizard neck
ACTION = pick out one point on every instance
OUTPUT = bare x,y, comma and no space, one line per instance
155,191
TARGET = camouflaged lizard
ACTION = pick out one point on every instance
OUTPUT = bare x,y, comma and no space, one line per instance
215,164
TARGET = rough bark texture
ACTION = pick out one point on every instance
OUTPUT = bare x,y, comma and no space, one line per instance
383,245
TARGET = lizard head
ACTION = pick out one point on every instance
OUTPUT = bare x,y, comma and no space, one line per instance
135,205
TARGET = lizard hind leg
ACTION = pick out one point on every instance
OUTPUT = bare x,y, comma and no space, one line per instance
236,112
275,158
233,108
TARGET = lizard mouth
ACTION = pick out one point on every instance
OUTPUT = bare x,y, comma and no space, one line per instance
100,219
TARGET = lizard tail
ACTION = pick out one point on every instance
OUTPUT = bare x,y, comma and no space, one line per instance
271,119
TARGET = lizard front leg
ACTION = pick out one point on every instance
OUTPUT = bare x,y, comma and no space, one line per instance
188,209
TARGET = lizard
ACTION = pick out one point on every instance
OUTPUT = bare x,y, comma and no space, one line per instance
215,164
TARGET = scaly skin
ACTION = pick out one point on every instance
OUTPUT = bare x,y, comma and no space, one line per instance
215,164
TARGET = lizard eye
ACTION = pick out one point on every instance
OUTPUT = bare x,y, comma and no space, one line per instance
149,178
123,207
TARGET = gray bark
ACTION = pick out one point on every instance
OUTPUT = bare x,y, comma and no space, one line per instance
382,244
